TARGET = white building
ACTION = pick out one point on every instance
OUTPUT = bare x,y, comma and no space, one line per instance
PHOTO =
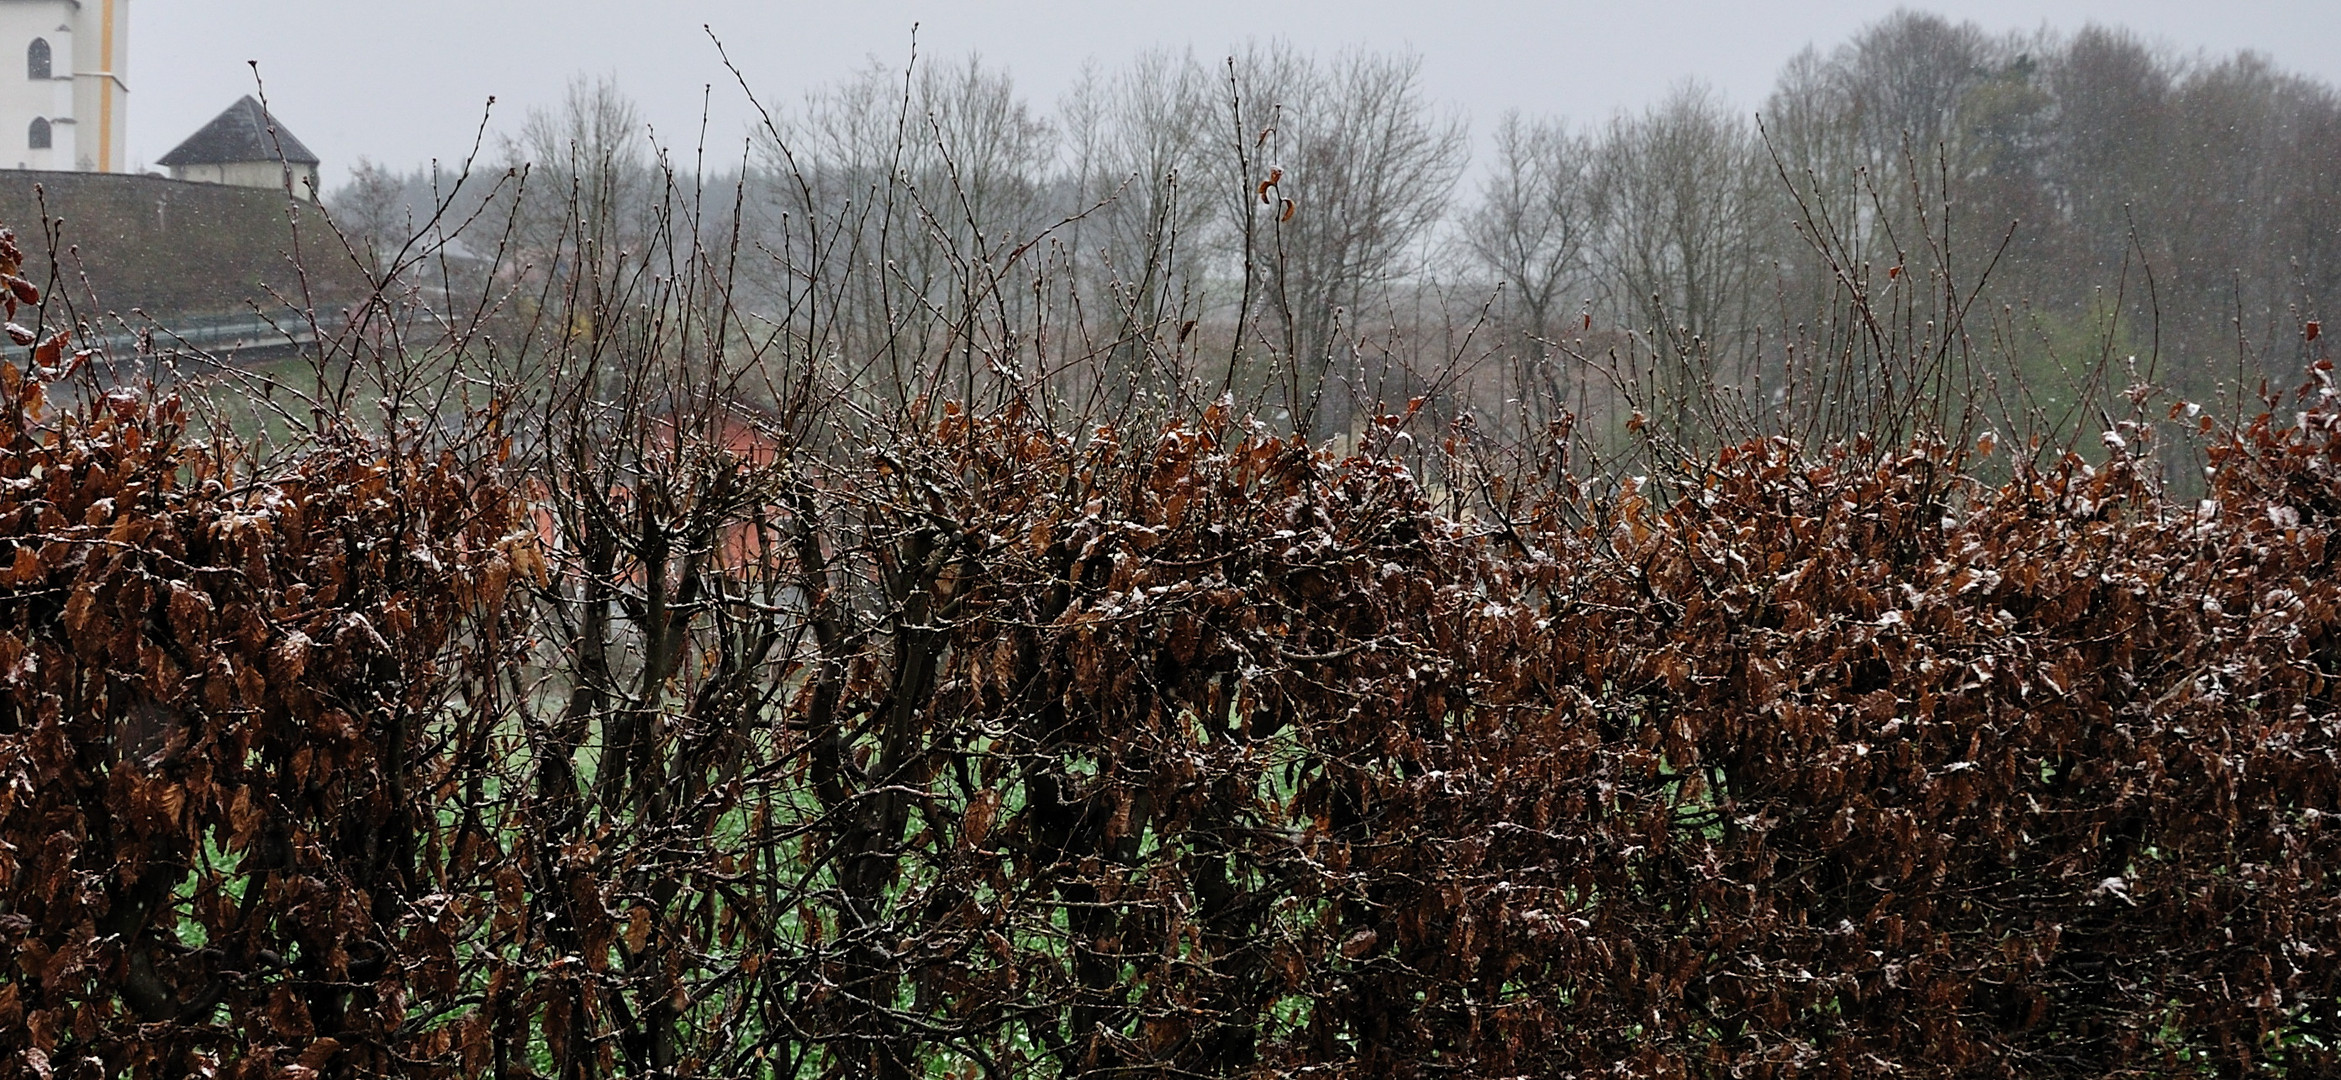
63,102
245,147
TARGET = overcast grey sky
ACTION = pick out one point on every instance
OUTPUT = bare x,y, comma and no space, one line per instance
405,82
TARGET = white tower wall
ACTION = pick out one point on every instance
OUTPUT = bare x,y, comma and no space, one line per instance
101,94
85,99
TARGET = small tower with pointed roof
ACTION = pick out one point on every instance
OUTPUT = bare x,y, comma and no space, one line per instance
245,147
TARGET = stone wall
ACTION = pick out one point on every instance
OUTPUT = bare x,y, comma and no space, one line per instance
170,248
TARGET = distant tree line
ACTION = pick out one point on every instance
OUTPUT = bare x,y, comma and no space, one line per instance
2061,203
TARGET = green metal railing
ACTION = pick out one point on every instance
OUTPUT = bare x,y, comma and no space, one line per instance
207,337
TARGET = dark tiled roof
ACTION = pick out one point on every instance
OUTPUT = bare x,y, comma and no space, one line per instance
239,134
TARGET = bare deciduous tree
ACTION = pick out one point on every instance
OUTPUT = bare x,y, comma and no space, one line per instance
1533,226
1350,167
1678,189
900,187
592,155
1137,138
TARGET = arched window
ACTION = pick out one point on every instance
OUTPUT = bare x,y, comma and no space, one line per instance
38,137
36,59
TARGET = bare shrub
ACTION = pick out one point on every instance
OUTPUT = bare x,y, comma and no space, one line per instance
615,667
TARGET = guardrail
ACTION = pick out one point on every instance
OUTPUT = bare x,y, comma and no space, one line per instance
208,336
